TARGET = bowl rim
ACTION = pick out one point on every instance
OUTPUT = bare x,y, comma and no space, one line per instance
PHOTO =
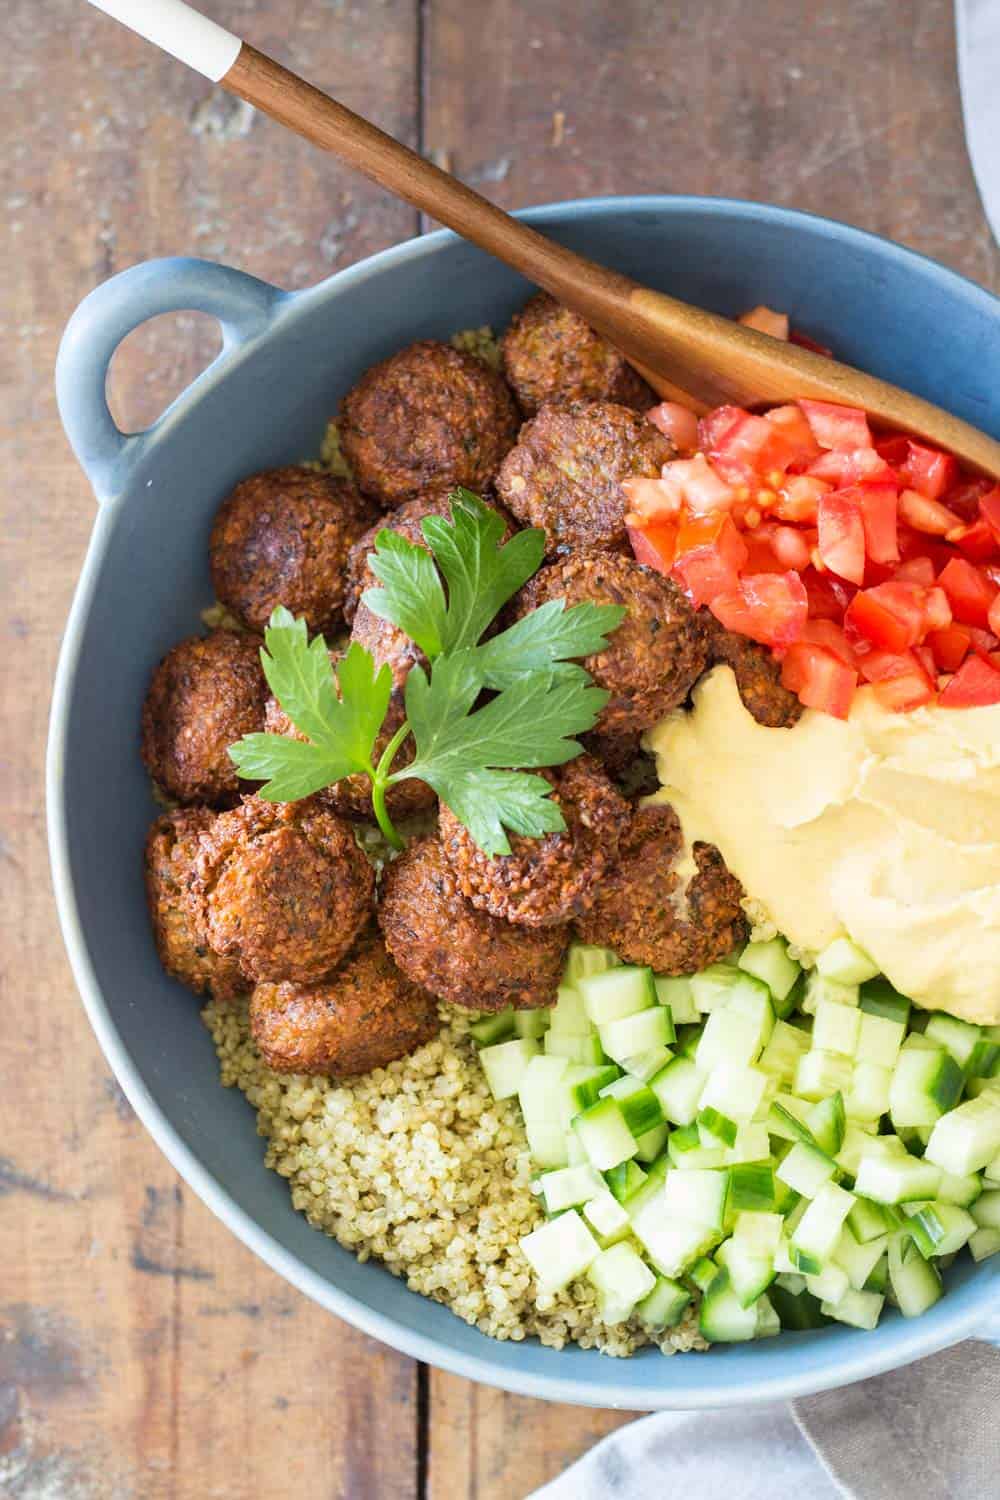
905,1342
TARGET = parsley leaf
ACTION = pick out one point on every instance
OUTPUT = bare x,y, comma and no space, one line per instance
340,730
465,755
550,636
481,574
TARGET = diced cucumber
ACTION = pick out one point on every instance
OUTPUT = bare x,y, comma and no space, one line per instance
617,993
585,1050
751,1188
759,1232
819,1228
962,1190
687,1152
716,1129
559,1251
986,1210
646,1065
859,1309
575,1154
984,1243
538,1092
532,1023
770,963
845,963
820,1073
622,1279
915,1282
924,1086
688,1038
797,1310
665,1305
568,1187
652,1143
915,1138
780,1058
585,959
836,1028
749,1275
547,1143
826,1122
941,1229
768,1322
984,1061
650,1190
568,1016
713,985
895,1178
786,1119
858,1260
606,1218
787,1201
752,1145
722,1317
880,998
879,1039
869,1094
867,1221
734,1090
991,1171
800,1260
819,988
697,1197
581,1085
637,1033
506,1063
679,1087
916,1041
604,1135
703,1272
958,1038
856,1139
878,1280
806,1169
671,1244
674,992
625,1179
829,1283
967,1139
493,1028
637,1102
728,1037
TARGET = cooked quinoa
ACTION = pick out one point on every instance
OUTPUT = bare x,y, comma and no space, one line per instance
417,1166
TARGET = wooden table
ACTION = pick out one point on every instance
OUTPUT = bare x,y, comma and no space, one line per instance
144,1354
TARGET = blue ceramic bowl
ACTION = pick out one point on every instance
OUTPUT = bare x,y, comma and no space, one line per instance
286,359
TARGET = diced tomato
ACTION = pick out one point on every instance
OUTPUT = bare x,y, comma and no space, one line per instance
797,445
974,685
890,617
894,449
914,544
819,678
832,638
652,499
676,422
983,642
847,466
743,448
993,618
710,554
950,647
989,509
790,544
798,499
766,320
828,596
925,656
796,336
970,592
837,426
654,545
937,610
768,607
877,503
929,471
760,554
899,680
924,514
699,486
916,570
842,538
975,539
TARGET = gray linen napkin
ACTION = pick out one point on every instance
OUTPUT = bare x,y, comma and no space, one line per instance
978,36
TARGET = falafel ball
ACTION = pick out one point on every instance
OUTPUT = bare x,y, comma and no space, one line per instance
757,673
551,354
651,910
462,955
171,847
656,654
547,880
428,417
565,473
352,797
405,521
282,537
206,693
283,888
364,1016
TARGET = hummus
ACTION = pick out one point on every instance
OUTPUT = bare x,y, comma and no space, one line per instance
884,828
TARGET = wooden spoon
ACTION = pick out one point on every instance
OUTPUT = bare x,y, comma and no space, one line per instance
684,352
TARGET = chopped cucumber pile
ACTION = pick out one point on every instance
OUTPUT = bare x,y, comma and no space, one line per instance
794,1147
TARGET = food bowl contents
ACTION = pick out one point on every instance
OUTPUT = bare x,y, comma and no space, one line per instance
463,955
281,887
566,473
364,1016
206,692
283,537
550,354
429,417
674,908
669,1135
544,882
658,651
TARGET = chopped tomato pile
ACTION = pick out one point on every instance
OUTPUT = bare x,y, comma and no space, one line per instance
856,557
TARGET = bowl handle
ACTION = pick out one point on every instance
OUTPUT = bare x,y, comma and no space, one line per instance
243,306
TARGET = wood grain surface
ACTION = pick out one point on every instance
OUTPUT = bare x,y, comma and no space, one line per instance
144,1354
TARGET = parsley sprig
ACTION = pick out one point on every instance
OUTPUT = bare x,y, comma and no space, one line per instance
520,698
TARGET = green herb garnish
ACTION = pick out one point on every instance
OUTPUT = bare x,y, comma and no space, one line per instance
519,699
